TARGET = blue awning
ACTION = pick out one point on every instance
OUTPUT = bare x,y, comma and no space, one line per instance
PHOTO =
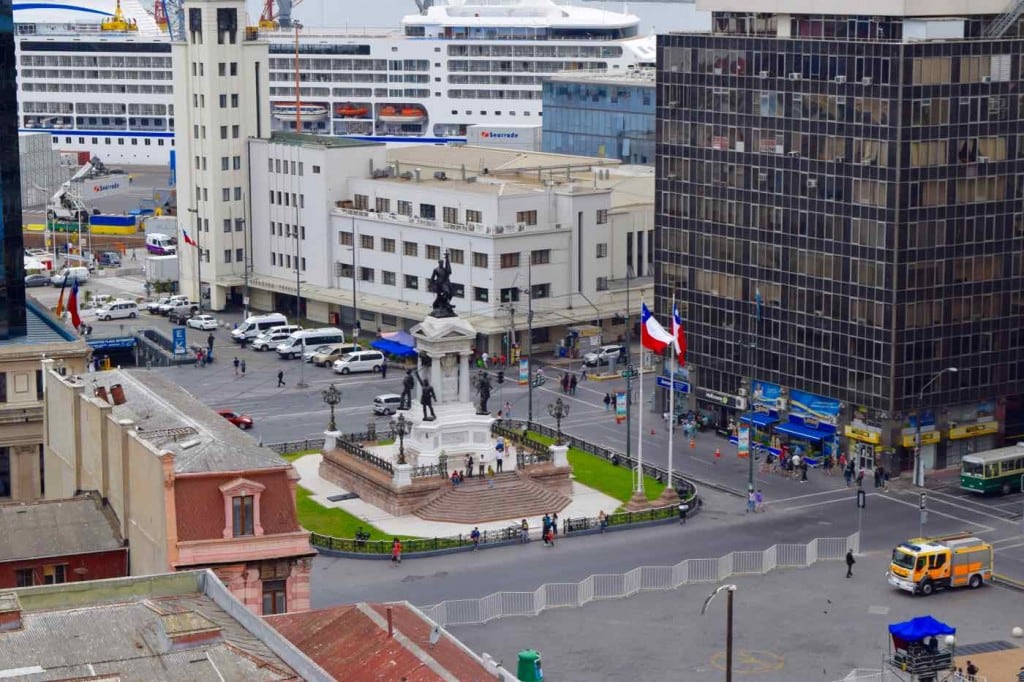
802,432
761,419
919,628
392,348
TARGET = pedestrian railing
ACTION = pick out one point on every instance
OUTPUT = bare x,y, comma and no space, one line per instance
538,451
310,444
431,471
353,447
640,579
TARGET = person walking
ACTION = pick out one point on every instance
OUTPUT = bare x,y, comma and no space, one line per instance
848,474
545,528
565,383
396,551
280,378
236,365
500,456
469,465
241,366
758,500
384,369
607,401
475,537
860,478
583,374
554,523
524,532
878,476
972,671
850,561
480,465
602,521
803,471
508,410
750,501
572,385
209,342
683,508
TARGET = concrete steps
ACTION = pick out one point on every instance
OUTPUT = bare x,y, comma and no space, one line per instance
474,501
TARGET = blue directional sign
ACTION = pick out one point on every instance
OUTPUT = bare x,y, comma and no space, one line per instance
178,339
677,385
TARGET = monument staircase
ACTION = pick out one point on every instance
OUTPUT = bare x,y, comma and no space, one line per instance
512,497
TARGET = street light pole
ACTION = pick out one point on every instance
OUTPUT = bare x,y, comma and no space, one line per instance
529,342
918,461
199,262
402,428
332,396
558,410
728,625
629,377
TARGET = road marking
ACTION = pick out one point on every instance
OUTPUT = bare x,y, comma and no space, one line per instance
1019,544
1012,538
938,495
985,529
800,497
749,662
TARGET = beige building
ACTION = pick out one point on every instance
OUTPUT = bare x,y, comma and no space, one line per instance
21,398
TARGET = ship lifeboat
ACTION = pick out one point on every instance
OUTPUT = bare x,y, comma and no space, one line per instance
351,110
309,112
391,114
118,22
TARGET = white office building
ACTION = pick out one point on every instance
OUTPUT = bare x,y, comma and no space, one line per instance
358,229
221,101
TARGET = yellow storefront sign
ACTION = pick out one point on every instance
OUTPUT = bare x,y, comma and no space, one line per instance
927,438
974,430
863,435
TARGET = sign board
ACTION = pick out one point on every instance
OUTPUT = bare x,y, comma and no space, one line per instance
630,373
863,434
732,401
677,385
178,341
620,407
744,442
112,343
973,430
524,370
927,438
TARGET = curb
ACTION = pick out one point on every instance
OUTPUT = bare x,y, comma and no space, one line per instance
1006,581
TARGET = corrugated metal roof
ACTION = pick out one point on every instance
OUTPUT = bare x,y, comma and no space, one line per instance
56,528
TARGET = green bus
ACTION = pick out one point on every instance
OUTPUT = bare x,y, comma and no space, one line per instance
998,470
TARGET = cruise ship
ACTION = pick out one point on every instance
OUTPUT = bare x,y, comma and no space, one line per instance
96,74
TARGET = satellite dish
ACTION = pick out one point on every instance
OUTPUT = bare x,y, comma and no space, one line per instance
435,635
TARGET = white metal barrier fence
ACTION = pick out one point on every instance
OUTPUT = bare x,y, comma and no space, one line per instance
640,579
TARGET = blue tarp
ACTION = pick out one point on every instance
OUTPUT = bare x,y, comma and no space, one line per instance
392,348
804,432
761,419
401,336
919,628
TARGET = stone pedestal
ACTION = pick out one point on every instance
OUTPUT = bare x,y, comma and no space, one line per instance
458,431
331,440
559,455
668,497
403,475
638,502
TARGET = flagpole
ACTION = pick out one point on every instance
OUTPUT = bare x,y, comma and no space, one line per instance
671,400
640,425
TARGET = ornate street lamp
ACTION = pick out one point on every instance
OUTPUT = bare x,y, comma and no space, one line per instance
559,411
332,396
403,427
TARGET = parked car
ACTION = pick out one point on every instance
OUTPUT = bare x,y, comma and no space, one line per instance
386,403
182,313
334,351
242,421
605,355
270,338
172,302
110,259
118,309
153,307
307,355
360,361
37,280
204,322
68,275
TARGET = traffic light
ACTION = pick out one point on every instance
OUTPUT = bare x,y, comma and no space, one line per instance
501,376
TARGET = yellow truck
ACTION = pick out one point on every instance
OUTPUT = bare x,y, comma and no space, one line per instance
922,565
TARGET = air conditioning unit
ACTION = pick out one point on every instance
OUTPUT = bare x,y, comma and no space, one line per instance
838,159
763,74
794,153
812,184
986,79
762,177
520,226
982,159
741,391
499,229
840,79
795,76
866,80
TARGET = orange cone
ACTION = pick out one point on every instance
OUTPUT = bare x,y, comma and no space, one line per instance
693,443
718,454
652,431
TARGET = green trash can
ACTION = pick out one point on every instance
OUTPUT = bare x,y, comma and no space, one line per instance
529,666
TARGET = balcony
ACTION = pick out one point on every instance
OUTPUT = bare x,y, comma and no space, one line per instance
468,228
245,548
20,414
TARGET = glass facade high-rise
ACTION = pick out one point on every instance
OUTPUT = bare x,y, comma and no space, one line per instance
840,209
12,263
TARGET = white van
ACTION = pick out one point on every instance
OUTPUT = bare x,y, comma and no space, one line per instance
118,309
360,361
69,275
273,337
295,344
161,244
256,324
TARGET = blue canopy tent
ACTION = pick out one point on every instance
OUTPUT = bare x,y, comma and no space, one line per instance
915,651
394,348
917,629
401,336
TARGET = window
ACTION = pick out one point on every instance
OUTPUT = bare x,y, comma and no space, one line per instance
240,256
3,387
540,256
227,224
450,214
410,248
223,132
526,217
479,260
602,250
474,216
345,238
39,384
540,291
366,241
458,291
365,274
54,574
433,252
236,131
5,472
601,284
412,282
225,163
510,295
234,101
275,598
242,515
223,100
382,205
24,577
387,245
480,294
316,170
387,277
510,260
225,195
428,211
602,216
457,256
404,207
227,255
234,68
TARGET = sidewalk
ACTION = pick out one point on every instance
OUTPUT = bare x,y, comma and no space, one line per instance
585,502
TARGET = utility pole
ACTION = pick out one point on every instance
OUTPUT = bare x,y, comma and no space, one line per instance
529,340
199,261
298,291
629,378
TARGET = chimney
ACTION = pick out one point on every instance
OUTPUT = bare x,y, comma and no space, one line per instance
101,393
10,612
391,624
118,394
417,172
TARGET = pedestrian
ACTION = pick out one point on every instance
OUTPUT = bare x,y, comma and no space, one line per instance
850,561
878,476
235,363
758,500
565,383
396,551
500,456
583,374
480,465
803,471
683,508
280,378
475,537
131,178
602,520
860,478
848,476
842,460
209,342
508,410
972,671
554,522
549,539
524,532
607,401
241,366
485,358
545,527
384,369
751,501
469,465
572,385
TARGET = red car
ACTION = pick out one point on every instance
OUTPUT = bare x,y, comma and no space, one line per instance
242,421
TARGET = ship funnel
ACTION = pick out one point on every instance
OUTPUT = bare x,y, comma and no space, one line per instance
284,13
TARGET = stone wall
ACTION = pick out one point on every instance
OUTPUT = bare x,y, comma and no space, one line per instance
551,477
376,486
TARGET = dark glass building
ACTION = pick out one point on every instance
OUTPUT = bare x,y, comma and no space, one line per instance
839,208
12,257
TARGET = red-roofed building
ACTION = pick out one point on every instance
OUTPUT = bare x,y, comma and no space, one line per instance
363,642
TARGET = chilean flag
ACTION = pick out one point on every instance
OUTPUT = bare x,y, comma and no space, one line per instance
188,239
76,321
679,335
652,335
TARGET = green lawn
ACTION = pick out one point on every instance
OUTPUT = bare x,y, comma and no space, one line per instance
600,474
292,456
331,520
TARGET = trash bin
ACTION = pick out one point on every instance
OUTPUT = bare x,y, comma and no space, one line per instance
529,666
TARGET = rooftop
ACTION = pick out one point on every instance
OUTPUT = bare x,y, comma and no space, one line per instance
325,141
42,328
642,76
175,627
173,419
80,525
